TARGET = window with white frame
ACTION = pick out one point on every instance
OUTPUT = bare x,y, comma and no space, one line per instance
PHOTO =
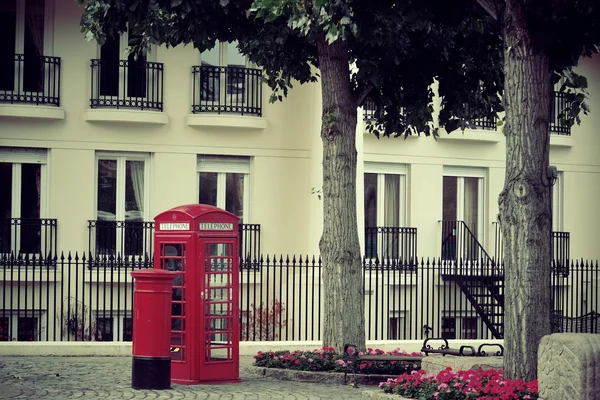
122,203
462,212
385,209
26,31
122,75
22,200
557,203
461,326
223,74
113,326
223,181
397,325
21,326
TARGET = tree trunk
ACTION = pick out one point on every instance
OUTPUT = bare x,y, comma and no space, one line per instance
343,320
525,213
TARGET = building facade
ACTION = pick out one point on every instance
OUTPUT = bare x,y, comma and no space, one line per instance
94,143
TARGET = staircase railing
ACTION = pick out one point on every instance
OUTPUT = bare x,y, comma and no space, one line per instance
460,245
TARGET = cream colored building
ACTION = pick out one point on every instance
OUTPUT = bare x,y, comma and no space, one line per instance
85,139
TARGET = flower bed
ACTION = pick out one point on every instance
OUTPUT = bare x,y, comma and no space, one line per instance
467,385
326,359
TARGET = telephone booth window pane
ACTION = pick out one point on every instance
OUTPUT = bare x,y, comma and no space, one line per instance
218,353
220,294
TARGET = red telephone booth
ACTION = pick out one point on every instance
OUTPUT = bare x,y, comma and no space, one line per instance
200,242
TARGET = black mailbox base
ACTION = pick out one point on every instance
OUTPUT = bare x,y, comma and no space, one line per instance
151,373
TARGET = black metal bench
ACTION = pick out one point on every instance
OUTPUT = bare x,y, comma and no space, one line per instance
463,351
587,323
353,359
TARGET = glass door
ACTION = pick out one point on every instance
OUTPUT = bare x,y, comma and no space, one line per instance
172,258
219,306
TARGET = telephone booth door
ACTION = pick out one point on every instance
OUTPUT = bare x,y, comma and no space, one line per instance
218,298
173,257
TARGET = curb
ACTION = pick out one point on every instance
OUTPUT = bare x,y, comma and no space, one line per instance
326,377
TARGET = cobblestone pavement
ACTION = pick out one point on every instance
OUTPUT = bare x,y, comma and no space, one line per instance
110,378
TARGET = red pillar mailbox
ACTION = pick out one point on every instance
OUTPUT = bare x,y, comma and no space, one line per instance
200,243
151,365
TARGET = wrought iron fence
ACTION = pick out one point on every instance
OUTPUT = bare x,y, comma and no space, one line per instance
28,236
128,83
557,124
391,244
30,79
63,299
231,89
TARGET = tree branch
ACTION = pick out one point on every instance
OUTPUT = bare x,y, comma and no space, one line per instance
361,93
492,7
515,9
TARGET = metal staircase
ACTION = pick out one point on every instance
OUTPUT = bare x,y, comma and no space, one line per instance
476,274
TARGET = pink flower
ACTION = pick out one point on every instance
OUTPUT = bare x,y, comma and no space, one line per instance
310,360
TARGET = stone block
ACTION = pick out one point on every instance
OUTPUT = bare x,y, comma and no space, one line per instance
569,366
434,363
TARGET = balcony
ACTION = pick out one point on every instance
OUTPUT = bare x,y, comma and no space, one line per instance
30,87
28,236
124,238
227,90
392,247
561,250
127,90
135,239
556,125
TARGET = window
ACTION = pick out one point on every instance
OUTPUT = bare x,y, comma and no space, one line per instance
114,327
122,204
22,201
462,213
385,210
466,326
122,80
131,73
24,28
228,82
223,182
557,203
20,326
397,326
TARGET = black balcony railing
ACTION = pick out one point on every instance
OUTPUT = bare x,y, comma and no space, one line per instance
231,90
134,84
129,238
559,103
561,249
487,123
30,79
28,236
136,238
391,245
561,252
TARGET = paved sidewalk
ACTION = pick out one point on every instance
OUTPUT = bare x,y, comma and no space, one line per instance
110,378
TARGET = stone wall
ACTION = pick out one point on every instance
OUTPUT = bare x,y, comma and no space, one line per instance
569,366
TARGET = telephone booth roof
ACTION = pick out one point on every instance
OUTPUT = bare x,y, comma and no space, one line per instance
195,213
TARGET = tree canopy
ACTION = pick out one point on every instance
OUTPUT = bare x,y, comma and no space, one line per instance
397,48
